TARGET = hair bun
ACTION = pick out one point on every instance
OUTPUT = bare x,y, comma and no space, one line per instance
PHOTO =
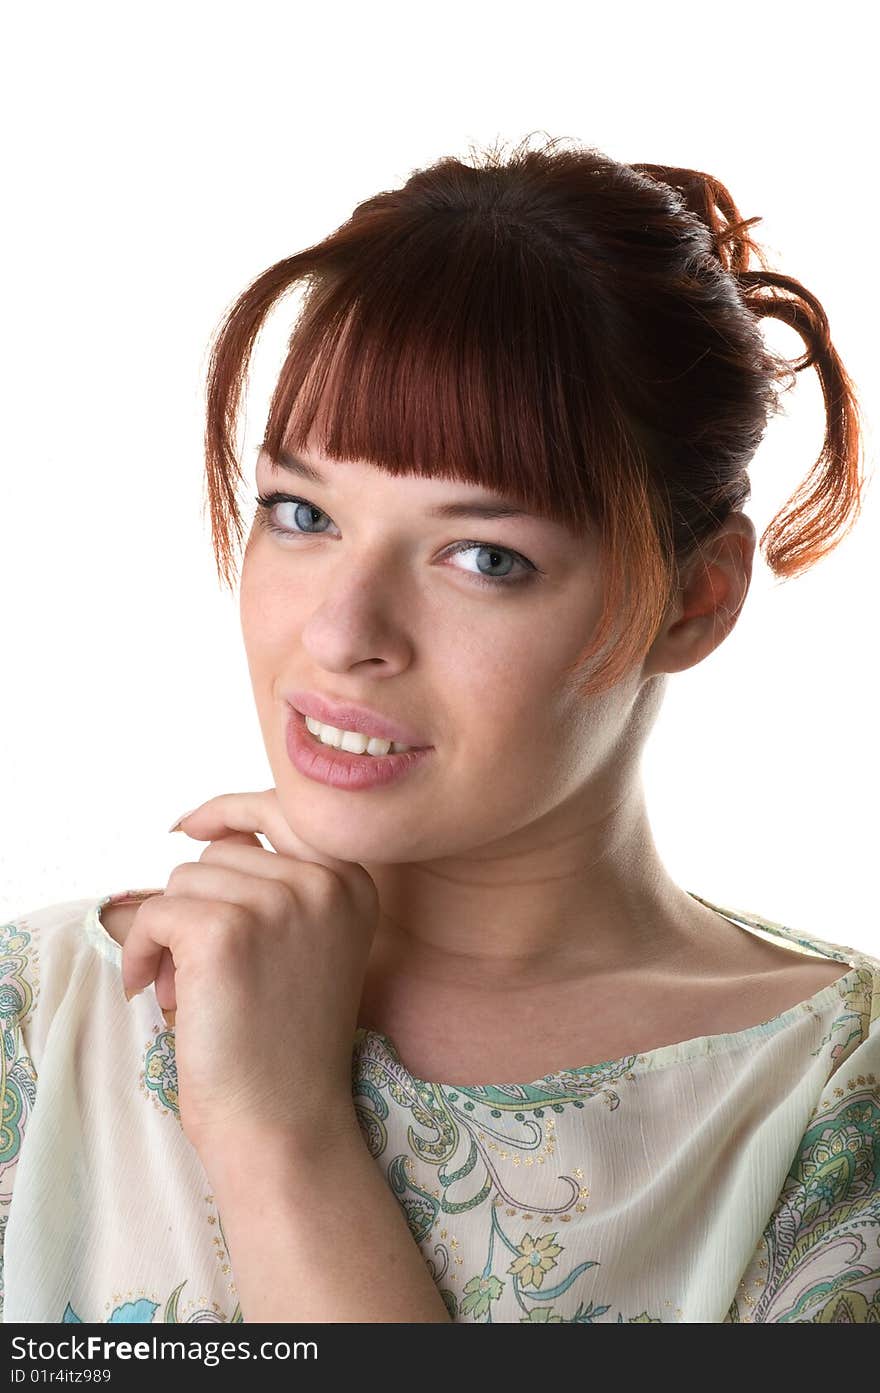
711,201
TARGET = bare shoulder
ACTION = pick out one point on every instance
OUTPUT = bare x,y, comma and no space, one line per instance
745,981
816,973
775,991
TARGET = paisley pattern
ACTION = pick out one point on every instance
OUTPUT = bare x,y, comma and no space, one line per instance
620,1191
144,1311
160,1071
19,964
819,1256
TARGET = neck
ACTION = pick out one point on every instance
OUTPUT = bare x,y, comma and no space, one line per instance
568,895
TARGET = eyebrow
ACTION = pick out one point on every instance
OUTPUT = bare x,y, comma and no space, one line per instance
294,465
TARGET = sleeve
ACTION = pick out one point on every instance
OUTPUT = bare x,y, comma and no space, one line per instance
18,1077
819,1257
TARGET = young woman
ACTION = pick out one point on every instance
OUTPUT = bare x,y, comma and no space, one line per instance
455,1046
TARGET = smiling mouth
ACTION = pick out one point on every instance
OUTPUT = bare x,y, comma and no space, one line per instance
366,753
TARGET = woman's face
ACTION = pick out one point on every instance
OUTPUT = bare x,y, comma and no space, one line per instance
367,599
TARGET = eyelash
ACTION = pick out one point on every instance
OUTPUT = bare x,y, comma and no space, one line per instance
266,502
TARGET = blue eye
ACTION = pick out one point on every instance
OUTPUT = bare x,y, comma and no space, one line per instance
267,504
488,547
303,512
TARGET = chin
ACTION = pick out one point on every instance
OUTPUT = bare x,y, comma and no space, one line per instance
355,837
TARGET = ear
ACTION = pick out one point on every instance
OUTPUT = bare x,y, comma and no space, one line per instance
713,588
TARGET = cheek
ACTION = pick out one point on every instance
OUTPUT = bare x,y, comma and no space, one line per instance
267,611
510,684
514,731
522,736
511,765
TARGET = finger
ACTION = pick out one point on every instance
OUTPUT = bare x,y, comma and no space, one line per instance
237,838
265,900
255,812
309,881
165,993
191,888
145,943
232,852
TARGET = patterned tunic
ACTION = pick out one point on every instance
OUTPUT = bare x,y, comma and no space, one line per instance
726,1178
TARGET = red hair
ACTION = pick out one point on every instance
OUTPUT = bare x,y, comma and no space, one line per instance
576,333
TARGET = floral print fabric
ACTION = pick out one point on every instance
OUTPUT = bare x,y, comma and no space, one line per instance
727,1178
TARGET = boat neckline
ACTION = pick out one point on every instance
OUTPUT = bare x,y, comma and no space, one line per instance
657,1058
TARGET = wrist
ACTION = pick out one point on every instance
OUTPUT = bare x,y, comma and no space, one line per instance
267,1152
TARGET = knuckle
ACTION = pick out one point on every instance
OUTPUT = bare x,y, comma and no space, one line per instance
228,920
280,898
322,881
178,873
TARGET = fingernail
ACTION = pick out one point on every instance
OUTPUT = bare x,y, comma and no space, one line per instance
170,1016
177,827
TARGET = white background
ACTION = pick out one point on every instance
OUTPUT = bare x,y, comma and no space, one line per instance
157,158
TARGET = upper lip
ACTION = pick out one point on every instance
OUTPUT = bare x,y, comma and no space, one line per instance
349,716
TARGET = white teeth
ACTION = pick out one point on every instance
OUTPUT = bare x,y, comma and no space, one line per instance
352,740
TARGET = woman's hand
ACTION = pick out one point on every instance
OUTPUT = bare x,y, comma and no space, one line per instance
267,956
